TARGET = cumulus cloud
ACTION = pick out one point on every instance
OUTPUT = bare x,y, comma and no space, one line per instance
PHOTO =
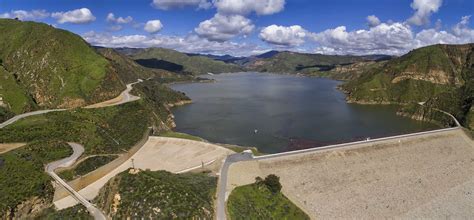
384,38
172,4
423,10
373,20
188,44
394,39
153,26
78,16
243,7
26,15
224,27
120,20
283,36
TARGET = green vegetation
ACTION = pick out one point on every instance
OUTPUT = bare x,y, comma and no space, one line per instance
159,195
22,173
77,212
88,165
180,135
101,131
440,75
175,61
262,200
156,96
5,114
45,66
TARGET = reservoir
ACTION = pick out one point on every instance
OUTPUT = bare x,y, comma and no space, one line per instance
277,113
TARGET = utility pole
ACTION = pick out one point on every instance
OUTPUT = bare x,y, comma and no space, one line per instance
133,164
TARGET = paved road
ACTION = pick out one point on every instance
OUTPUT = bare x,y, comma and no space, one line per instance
66,162
77,151
127,97
18,117
248,156
221,195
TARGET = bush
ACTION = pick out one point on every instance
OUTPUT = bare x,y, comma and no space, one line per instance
273,183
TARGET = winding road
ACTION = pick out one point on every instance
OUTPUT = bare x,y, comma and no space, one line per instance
123,98
78,149
66,162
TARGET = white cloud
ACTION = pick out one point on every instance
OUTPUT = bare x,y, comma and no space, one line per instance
423,10
384,38
172,4
153,26
394,39
78,16
26,15
284,36
188,44
243,7
120,20
373,20
224,27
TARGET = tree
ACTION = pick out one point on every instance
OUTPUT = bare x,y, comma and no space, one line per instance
273,183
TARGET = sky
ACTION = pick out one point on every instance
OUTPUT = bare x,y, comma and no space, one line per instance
249,27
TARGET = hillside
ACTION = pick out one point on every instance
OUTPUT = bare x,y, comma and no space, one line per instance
45,67
440,75
175,61
158,195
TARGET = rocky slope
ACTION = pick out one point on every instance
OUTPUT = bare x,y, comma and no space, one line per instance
45,67
441,76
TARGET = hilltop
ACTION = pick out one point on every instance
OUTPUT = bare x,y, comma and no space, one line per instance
45,67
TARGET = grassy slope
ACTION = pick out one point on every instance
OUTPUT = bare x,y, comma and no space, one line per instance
54,66
257,202
454,63
22,173
104,130
160,195
192,64
88,165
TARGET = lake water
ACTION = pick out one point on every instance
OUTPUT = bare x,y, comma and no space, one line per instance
277,113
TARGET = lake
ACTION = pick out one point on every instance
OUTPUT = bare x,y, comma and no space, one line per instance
277,113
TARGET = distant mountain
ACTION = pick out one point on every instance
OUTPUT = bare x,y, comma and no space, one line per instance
225,58
129,70
304,63
45,67
268,54
161,58
441,76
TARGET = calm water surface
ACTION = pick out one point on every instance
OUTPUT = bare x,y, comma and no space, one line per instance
288,113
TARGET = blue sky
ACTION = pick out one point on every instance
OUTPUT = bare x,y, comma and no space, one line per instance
244,27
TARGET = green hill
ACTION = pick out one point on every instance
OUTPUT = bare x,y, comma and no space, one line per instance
440,75
45,67
175,61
